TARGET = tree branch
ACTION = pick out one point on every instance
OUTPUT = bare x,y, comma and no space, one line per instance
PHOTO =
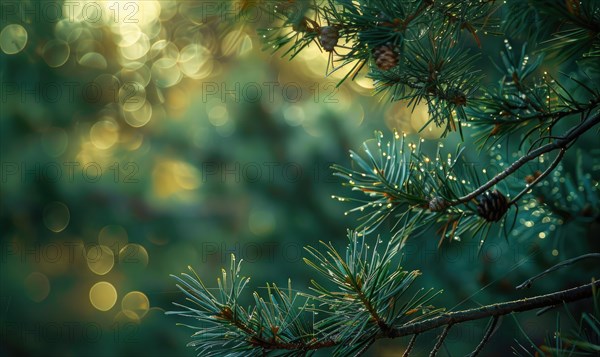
527,283
440,340
273,344
383,326
410,345
570,295
550,168
446,320
561,143
486,337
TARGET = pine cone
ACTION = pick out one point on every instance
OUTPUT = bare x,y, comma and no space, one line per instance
457,97
328,37
492,206
385,57
437,204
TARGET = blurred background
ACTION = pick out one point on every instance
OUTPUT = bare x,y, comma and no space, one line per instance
140,137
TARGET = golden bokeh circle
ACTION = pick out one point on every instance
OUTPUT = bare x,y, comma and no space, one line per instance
68,31
93,60
132,96
420,122
135,304
235,43
218,115
164,49
195,61
166,72
103,296
56,53
104,134
126,34
100,259
133,257
139,117
56,216
13,39
137,49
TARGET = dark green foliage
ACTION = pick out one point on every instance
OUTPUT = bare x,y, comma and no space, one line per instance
365,291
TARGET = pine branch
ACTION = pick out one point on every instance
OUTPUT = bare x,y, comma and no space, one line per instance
275,325
410,345
418,191
520,103
546,172
486,336
561,143
440,340
374,314
581,339
369,294
527,283
500,309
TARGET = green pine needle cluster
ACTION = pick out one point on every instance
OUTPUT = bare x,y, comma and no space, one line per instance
396,179
362,293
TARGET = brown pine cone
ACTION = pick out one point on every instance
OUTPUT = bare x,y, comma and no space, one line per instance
492,206
437,204
328,37
385,57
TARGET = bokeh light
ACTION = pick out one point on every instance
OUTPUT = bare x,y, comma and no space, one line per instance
133,257
103,296
13,39
173,178
56,52
56,216
100,259
104,134
135,305
93,60
408,119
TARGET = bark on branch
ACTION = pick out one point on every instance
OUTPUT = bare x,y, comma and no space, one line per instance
560,143
570,295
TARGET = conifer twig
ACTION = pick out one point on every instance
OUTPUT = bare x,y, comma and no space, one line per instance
410,345
570,295
546,172
440,340
561,143
527,283
449,319
486,336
